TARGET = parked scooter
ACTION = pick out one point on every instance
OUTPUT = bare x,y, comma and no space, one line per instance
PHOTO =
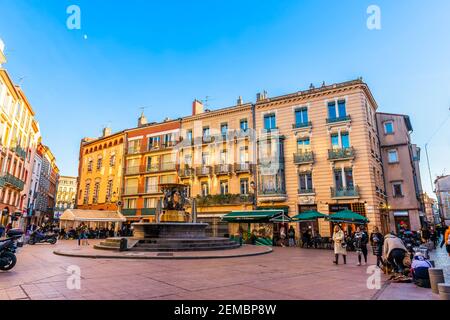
39,237
8,249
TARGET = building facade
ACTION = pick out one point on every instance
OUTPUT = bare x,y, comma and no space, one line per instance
66,194
402,176
48,182
442,188
100,171
216,157
150,160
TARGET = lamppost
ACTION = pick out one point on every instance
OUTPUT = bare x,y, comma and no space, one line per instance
429,167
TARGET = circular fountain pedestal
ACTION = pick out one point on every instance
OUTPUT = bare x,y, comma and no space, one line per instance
170,230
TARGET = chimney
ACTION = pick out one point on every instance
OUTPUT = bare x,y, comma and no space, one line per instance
106,132
261,96
240,101
142,120
197,107
2,53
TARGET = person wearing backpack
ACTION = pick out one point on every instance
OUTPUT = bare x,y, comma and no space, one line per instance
446,241
291,235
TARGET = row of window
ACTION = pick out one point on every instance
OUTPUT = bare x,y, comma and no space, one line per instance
99,164
103,146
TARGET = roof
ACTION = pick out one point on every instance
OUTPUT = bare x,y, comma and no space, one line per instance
92,215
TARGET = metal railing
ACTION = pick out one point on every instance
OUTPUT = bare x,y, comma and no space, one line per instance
203,171
20,152
341,153
303,157
302,125
9,179
243,167
338,119
222,169
345,192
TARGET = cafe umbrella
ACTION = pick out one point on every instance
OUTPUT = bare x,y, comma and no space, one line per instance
347,216
309,216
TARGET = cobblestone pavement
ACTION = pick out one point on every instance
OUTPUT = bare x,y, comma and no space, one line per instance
442,261
287,273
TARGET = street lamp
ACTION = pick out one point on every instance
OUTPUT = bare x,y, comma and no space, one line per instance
428,162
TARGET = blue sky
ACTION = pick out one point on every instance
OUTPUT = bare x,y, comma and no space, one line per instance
163,54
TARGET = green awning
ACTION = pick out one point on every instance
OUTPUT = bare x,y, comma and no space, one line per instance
347,216
281,219
252,216
309,216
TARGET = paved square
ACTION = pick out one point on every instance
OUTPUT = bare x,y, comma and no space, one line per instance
287,273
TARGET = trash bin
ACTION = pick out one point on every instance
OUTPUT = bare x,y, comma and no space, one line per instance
123,244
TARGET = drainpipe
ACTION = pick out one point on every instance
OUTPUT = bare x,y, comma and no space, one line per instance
255,157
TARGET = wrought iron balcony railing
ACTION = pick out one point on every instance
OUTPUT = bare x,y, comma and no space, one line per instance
186,172
341,153
20,152
303,157
203,171
12,181
222,169
302,125
345,192
339,119
306,191
243,167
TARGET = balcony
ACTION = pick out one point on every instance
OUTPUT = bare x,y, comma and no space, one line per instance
152,189
132,170
203,171
152,168
207,139
169,144
303,157
186,172
302,125
243,167
168,166
345,192
338,119
341,154
223,199
222,169
12,181
135,150
20,152
130,191
309,191
129,212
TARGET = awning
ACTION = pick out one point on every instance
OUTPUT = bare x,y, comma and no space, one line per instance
254,216
309,216
347,216
92,215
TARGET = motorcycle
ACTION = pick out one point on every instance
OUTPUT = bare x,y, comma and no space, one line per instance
8,249
38,237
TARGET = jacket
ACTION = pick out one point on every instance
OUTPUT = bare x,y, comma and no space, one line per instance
392,242
339,239
446,237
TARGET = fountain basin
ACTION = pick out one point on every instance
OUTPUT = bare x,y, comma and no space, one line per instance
169,230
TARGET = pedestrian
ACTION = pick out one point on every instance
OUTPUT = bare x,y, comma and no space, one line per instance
360,240
283,236
376,241
394,252
340,247
419,270
8,227
2,230
446,240
291,235
425,235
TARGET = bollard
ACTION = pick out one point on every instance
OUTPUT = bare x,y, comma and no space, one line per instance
123,244
436,276
444,291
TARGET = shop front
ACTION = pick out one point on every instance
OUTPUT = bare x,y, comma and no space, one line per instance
72,218
261,227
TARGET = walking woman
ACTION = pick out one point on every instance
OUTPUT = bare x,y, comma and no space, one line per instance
376,241
360,242
446,241
339,244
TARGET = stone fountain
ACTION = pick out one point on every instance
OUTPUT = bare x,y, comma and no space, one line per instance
174,229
